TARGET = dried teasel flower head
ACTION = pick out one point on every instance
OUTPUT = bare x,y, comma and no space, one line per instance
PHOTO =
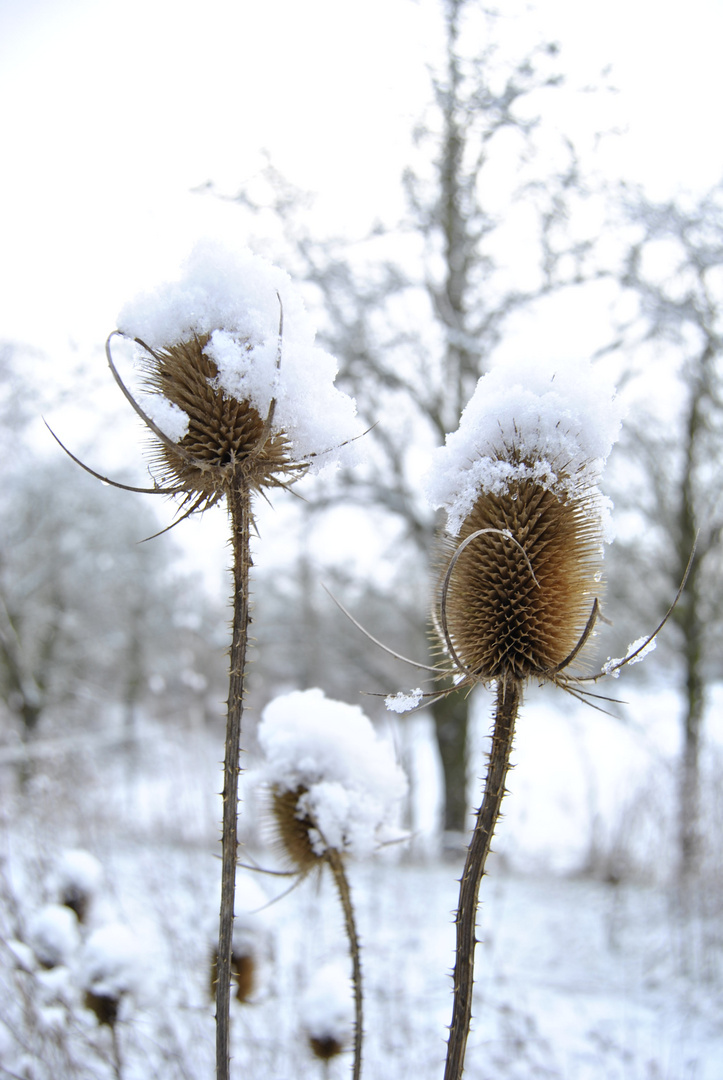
109,970
335,785
235,392
78,875
326,1012
521,565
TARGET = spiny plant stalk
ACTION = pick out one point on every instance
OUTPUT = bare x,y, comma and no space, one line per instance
239,502
335,788
336,865
520,577
302,843
509,694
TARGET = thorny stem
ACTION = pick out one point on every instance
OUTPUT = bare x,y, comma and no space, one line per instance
239,503
509,692
336,865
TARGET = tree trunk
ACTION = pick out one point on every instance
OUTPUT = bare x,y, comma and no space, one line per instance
451,721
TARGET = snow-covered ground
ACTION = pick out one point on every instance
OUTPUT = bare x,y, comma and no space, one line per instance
615,975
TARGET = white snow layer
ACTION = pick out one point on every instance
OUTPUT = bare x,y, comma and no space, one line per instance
54,935
353,782
166,415
404,701
326,1007
562,420
110,960
237,298
78,870
634,654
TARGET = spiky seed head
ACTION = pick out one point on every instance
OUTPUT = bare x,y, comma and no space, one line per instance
239,395
294,829
525,519
226,438
518,609
243,969
325,1047
104,1004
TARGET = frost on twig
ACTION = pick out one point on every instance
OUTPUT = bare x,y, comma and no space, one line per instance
634,653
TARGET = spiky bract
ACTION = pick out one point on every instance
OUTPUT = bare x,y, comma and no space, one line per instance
227,439
518,609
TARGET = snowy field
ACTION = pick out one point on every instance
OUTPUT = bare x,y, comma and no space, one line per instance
605,975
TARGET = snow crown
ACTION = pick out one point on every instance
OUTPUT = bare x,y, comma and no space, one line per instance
552,424
235,382
520,564
335,783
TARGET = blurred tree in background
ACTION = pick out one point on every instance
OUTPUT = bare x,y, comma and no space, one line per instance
414,312
667,470
93,622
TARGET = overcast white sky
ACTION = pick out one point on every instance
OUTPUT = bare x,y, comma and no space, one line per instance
113,110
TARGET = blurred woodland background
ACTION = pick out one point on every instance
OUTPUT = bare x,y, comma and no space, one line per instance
112,650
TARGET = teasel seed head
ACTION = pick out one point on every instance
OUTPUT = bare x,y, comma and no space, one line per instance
234,401
520,566
243,970
295,832
227,439
325,1047
520,593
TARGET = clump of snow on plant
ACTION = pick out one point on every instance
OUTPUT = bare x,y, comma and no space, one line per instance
237,298
404,701
326,1007
110,961
526,420
635,652
166,415
78,871
54,935
353,783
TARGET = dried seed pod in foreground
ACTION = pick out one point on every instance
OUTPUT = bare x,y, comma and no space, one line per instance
520,593
335,785
521,565
225,437
294,830
235,390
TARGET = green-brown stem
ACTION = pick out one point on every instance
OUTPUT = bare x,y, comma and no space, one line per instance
239,504
336,866
509,693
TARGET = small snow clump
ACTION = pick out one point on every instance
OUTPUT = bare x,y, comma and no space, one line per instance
613,665
78,869
167,416
54,935
350,780
326,1007
110,961
404,700
528,421
235,299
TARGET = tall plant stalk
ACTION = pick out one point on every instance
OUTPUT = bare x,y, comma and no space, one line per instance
509,693
239,505
228,423
336,865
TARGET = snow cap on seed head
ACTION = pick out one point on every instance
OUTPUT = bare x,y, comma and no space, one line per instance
330,772
222,342
327,1012
520,573
552,423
